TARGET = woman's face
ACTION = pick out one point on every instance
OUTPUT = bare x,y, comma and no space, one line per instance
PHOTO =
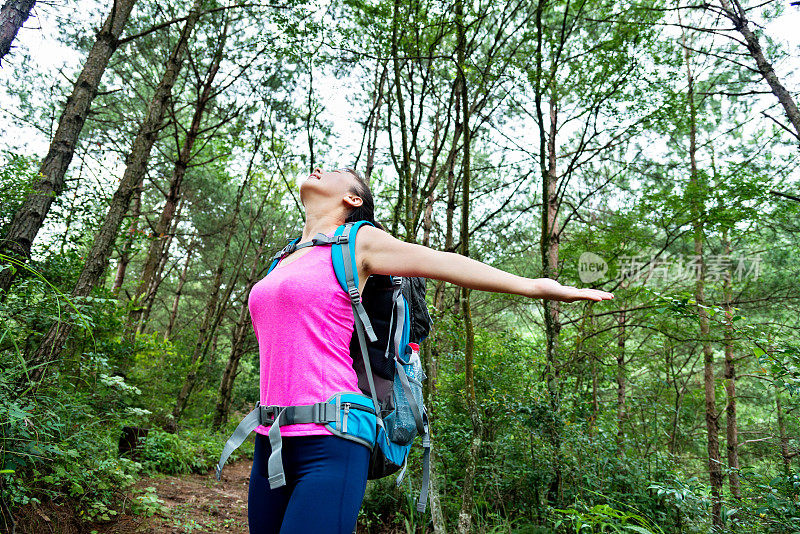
334,186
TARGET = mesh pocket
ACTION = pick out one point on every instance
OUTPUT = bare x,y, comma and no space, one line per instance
401,425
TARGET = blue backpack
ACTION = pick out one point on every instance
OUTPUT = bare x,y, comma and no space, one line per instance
388,413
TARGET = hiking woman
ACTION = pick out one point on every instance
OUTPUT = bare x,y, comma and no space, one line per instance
303,322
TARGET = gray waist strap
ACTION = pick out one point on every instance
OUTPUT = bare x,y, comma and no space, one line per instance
276,417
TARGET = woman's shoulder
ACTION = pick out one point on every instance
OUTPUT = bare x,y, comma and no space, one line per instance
370,236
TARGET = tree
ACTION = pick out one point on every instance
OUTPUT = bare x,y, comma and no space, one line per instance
30,216
52,344
156,250
13,15
733,11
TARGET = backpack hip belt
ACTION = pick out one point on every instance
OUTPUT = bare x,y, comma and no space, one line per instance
347,415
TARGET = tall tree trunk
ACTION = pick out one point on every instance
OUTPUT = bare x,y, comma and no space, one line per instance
695,196
158,277
734,11
97,259
30,216
240,329
465,514
451,204
374,126
730,382
549,250
672,378
237,344
621,384
13,15
431,362
786,456
156,249
237,349
127,247
211,317
173,314
404,174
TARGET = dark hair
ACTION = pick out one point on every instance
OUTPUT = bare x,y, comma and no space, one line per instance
366,211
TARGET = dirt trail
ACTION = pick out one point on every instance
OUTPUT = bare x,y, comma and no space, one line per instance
199,504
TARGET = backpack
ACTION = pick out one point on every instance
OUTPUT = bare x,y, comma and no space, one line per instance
388,412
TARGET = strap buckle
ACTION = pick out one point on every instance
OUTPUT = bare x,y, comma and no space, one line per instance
319,413
355,296
341,239
268,414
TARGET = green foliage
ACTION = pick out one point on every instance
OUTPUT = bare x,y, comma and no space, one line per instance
17,175
188,452
147,503
605,518
772,504
782,363
57,445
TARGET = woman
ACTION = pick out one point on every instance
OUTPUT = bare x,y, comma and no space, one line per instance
304,322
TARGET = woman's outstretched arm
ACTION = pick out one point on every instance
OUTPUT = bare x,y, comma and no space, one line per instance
380,253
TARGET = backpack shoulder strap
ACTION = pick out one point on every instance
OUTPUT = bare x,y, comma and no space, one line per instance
343,257
282,252
340,253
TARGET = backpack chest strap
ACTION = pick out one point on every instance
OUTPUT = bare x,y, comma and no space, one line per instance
319,239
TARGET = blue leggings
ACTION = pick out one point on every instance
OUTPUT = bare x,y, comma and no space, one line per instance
326,477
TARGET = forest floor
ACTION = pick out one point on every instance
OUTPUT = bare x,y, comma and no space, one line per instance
199,504
185,504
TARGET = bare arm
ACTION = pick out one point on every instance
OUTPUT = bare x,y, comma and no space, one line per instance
380,253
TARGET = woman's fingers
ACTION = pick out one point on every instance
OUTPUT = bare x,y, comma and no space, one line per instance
596,294
588,294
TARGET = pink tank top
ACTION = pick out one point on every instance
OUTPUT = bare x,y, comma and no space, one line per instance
303,323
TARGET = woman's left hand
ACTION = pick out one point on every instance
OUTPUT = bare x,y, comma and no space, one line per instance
576,293
546,288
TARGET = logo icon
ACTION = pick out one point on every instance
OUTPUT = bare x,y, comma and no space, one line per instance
591,267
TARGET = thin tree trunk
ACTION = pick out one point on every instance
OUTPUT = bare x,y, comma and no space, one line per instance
549,252
97,260
730,383
30,216
178,292
734,11
150,294
786,456
127,247
695,198
237,344
465,514
404,174
211,317
237,349
124,256
156,249
13,15
621,384
372,132
431,362
676,410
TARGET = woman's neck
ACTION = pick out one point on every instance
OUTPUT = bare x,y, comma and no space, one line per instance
324,223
